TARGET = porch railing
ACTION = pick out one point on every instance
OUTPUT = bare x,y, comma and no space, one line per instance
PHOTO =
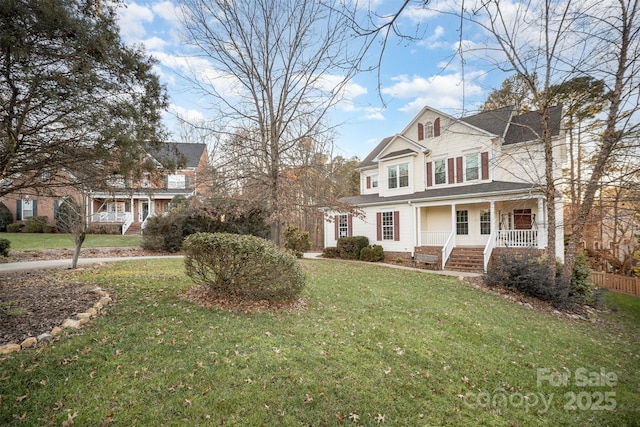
109,216
124,218
127,222
434,238
448,248
488,248
517,238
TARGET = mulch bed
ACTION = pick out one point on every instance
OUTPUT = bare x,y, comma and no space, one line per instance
33,302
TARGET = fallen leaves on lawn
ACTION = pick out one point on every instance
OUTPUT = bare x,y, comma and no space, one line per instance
200,295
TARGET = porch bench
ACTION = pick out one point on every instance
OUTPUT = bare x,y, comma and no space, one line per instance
425,259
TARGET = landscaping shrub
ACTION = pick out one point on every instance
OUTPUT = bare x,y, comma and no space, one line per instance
331,252
296,241
527,274
581,289
4,247
350,247
242,266
14,228
166,232
372,253
6,217
36,224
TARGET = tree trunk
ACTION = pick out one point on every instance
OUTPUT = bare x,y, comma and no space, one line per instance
79,240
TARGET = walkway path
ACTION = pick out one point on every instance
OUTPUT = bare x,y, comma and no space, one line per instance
58,263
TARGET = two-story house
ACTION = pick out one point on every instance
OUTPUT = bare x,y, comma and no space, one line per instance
456,188
124,203
131,202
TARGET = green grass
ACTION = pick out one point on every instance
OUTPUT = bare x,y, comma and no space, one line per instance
375,346
33,241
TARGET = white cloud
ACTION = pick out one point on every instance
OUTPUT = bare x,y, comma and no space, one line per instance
440,91
188,115
155,43
168,11
419,14
131,19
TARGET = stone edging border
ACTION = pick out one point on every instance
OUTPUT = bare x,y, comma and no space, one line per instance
80,320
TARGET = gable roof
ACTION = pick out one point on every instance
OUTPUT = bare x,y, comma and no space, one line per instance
528,126
368,161
187,155
494,121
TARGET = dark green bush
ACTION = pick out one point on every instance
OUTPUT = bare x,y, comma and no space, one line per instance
36,224
14,228
166,232
6,217
4,247
296,241
528,274
581,289
372,253
350,247
330,252
245,267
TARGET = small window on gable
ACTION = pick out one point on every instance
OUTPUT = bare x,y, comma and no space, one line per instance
428,130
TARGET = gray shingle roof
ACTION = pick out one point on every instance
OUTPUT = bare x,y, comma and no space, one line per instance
399,153
528,126
488,188
190,153
368,161
494,121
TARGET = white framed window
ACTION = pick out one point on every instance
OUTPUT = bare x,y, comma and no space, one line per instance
343,226
472,167
462,223
146,181
485,222
398,175
387,226
176,181
440,171
374,181
428,130
27,208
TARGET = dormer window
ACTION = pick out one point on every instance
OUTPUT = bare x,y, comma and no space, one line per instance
398,175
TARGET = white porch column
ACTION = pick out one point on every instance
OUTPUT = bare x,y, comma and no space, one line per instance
418,214
543,226
492,218
453,218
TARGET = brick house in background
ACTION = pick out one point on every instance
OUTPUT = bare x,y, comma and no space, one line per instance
125,204
456,190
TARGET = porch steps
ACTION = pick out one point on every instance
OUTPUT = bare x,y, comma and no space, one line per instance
134,229
466,259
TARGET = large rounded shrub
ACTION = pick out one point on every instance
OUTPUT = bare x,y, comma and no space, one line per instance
242,266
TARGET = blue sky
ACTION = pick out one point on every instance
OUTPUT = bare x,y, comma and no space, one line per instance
413,74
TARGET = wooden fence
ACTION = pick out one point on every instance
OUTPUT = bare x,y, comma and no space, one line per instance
615,283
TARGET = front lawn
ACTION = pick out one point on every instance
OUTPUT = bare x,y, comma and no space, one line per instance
34,241
374,346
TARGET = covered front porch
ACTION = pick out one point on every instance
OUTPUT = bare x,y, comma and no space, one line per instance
480,224
128,212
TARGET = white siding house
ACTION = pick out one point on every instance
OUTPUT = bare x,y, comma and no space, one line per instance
444,183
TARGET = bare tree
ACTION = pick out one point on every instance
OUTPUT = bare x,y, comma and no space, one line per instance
71,218
278,67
